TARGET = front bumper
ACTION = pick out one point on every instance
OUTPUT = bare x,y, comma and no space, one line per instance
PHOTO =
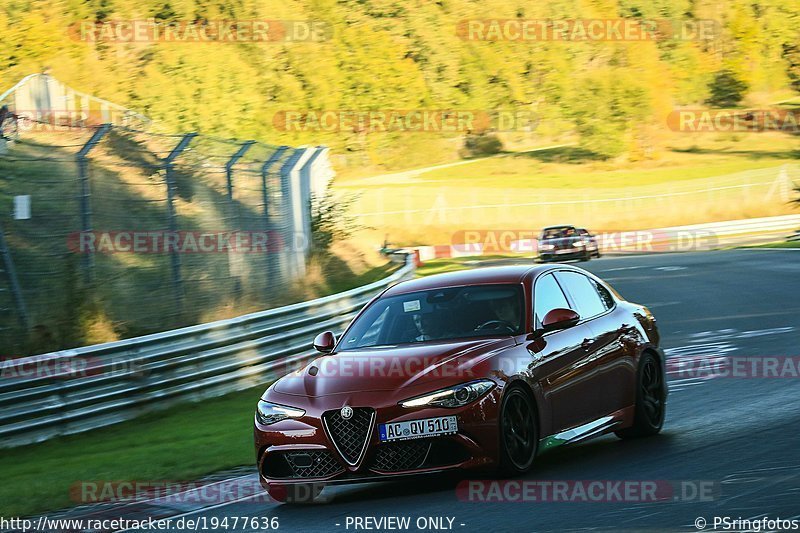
554,255
304,451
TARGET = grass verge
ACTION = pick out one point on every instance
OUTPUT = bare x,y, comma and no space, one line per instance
441,266
181,443
698,179
779,244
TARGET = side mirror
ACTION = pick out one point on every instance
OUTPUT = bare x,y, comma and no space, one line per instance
559,319
324,342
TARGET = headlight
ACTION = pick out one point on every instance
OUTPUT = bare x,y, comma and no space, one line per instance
579,244
269,413
547,247
457,396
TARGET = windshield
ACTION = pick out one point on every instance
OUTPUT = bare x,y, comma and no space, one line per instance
558,233
439,314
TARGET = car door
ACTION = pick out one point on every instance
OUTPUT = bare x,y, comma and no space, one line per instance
610,356
560,360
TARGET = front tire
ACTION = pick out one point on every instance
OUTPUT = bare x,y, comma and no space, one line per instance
519,435
650,403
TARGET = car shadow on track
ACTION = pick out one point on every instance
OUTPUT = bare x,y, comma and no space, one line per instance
602,459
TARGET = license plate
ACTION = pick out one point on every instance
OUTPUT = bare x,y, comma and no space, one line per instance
564,251
415,429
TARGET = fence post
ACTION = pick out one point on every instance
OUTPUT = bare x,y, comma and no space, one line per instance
268,227
13,281
232,207
265,168
86,195
232,161
172,218
292,205
311,198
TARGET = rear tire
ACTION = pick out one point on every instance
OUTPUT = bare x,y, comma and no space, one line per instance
519,435
650,405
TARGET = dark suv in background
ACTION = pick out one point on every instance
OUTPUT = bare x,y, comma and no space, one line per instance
562,243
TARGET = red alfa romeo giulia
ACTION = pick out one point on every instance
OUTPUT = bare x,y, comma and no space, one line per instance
476,370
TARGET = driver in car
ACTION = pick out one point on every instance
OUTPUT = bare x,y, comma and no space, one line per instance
422,329
506,312
429,327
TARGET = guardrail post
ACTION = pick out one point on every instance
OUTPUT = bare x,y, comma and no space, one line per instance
172,218
86,195
268,226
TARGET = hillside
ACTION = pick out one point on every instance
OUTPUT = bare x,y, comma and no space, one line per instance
401,55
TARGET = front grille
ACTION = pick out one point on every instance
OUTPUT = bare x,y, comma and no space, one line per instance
398,456
304,464
350,435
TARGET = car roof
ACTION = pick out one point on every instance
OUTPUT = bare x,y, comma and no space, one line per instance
475,276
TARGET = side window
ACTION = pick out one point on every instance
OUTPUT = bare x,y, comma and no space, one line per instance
583,293
547,295
605,295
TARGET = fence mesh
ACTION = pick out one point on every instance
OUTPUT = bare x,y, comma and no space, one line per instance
77,284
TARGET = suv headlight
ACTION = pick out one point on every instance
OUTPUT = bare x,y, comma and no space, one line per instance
268,413
547,247
457,396
578,244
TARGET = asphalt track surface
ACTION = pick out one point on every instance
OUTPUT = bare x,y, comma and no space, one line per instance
739,436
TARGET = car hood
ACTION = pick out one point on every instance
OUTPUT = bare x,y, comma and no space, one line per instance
391,368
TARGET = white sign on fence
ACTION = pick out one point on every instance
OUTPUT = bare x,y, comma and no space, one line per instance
22,207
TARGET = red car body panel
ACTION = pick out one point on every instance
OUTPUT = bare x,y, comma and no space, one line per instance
576,376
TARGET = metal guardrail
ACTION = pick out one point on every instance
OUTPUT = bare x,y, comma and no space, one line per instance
120,380
727,233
